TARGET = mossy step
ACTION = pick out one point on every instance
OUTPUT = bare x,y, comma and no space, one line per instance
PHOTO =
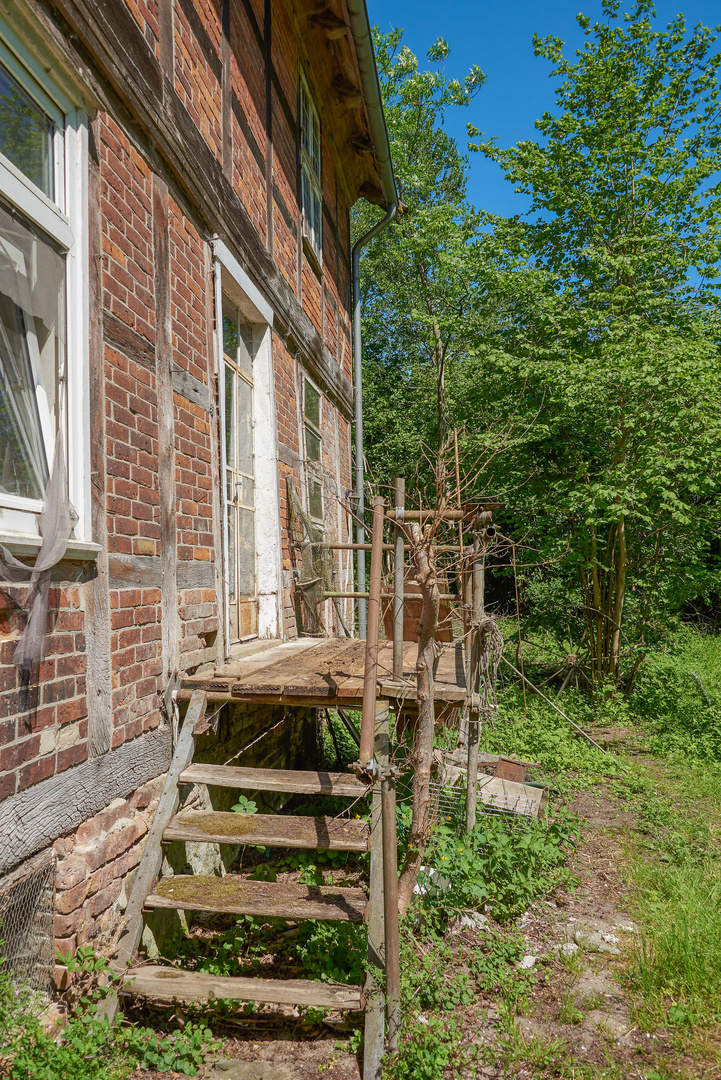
280,780
320,833
269,899
168,984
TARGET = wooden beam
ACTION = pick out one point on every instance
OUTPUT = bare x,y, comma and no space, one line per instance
97,590
217,827
235,895
166,441
278,780
168,983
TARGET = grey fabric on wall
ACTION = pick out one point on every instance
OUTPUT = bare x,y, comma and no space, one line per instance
57,521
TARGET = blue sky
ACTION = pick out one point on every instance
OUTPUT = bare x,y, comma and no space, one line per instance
498,37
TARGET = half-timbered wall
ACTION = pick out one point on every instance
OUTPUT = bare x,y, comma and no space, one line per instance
193,142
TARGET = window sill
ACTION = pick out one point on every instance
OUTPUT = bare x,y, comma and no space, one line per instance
310,254
25,544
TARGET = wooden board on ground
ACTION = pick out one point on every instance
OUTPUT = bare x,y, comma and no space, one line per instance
168,984
215,827
280,780
267,899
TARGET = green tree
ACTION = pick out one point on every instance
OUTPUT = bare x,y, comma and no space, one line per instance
419,275
616,358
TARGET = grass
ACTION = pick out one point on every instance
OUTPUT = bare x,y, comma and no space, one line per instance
676,875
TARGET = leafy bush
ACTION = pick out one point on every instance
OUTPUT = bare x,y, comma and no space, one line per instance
87,1043
504,863
335,952
668,701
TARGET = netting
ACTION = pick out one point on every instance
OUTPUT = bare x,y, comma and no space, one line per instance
317,569
27,903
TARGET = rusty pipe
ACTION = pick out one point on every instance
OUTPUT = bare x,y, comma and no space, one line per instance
398,570
370,684
390,907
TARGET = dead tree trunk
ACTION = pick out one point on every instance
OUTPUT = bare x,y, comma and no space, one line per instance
422,753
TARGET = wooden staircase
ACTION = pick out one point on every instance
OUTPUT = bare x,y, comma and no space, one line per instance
234,894
237,895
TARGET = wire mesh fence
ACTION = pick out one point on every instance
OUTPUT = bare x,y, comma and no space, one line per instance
27,908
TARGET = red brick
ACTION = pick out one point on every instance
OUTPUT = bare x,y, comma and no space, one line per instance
38,770
70,899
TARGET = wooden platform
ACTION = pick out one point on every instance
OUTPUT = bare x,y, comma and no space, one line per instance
311,671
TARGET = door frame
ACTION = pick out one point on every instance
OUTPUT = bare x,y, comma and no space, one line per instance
230,277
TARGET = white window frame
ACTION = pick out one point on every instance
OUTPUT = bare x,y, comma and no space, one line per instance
313,469
64,219
307,113
233,280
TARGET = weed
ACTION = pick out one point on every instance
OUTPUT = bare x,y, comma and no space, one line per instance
570,1013
245,806
503,864
115,1049
336,953
428,1046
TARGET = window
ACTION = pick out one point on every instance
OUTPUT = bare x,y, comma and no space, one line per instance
43,272
239,472
310,160
313,448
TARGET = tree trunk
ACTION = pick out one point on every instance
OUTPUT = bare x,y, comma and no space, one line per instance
422,753
621,560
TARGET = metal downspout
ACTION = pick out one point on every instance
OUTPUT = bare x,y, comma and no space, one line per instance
358,385
360,28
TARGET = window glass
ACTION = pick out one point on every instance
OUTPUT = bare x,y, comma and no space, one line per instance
312,405
25,134
229,413
311,168
312,445
32,336
230,332
315,500
245,346
244,428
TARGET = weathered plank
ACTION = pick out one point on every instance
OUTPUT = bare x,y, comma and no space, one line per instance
96,591
268,899
215,827
196,573
167,984
281,780
36,817
170,622
190,388
138,571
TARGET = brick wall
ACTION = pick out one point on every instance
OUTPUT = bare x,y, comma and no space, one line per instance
153,328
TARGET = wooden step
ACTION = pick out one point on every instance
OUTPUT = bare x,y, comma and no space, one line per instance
166,983
281,780
269,899
214,827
